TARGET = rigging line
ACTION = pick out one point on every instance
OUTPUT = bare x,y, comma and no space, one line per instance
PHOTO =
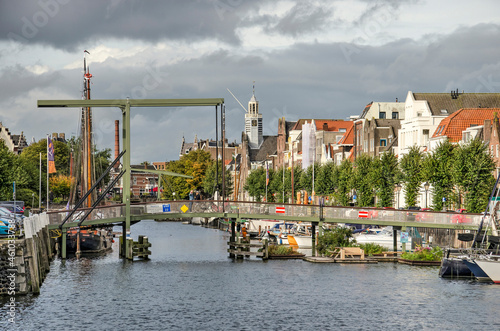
485,212
491,212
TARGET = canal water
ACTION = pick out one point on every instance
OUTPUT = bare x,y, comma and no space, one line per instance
191,284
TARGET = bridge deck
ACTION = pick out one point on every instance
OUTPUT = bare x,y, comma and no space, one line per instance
114,214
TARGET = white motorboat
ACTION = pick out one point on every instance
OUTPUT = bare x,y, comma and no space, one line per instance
383,238
491,266
303,241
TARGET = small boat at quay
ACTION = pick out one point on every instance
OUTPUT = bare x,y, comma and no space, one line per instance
302,241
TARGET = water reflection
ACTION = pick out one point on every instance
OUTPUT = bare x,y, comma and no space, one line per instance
190,283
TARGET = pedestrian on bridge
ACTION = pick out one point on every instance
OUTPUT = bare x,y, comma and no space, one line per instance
191,198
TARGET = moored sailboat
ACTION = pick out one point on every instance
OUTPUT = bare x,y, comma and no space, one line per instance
85,239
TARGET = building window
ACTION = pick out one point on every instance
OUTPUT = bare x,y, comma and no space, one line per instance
395,115
383,142
143,181
419,114
341,130
135,180
381,115
497,150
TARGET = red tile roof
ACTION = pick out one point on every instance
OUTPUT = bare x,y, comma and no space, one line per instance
332,125
453,125
347,138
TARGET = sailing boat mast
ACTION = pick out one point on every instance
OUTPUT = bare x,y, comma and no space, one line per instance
86,183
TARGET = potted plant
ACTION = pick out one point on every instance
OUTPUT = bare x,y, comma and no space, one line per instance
425,256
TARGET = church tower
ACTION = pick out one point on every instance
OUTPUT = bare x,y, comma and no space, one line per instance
253,123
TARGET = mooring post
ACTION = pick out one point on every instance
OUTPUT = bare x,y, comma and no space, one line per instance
78,248
403,248
233,237
313,238
63,243
395,239
266,250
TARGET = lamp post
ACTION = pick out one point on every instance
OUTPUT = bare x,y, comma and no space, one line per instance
426,187
398,189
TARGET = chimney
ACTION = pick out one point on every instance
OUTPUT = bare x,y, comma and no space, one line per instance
117,141
487,130
325,126
396,99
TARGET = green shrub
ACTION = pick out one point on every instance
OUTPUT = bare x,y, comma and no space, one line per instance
371,248
338,237
424,254
281,250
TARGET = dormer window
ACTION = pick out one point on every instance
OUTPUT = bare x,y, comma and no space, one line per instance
444,111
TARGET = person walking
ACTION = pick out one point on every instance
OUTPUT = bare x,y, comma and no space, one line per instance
191,198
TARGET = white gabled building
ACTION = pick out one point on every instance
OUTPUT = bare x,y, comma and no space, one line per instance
424,112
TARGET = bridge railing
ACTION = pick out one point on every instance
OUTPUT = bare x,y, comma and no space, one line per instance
275,211
104,212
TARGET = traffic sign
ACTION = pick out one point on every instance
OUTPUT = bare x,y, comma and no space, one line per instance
280,210
363,214
166,208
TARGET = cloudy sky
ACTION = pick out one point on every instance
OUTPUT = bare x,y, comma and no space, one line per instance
322,59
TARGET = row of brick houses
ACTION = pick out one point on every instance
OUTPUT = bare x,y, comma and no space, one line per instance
422,119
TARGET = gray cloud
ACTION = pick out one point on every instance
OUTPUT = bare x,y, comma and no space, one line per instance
308,79
304,17
65,24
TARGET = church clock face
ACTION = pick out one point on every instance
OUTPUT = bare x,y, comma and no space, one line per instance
254,122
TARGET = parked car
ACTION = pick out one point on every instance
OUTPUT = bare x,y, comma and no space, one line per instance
424,216
460,217
19,206
4,227
412,214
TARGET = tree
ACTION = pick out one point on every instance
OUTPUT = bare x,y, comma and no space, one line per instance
437,169
364,180
411,167
60,186
256,184
61,155
385,178
472,173
306,179
209,180
194,164
344,179
325,184
276,185
16,169
7,159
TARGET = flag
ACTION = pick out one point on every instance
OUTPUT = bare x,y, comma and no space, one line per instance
267,174
50,156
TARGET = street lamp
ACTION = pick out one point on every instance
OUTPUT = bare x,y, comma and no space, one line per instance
426,187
